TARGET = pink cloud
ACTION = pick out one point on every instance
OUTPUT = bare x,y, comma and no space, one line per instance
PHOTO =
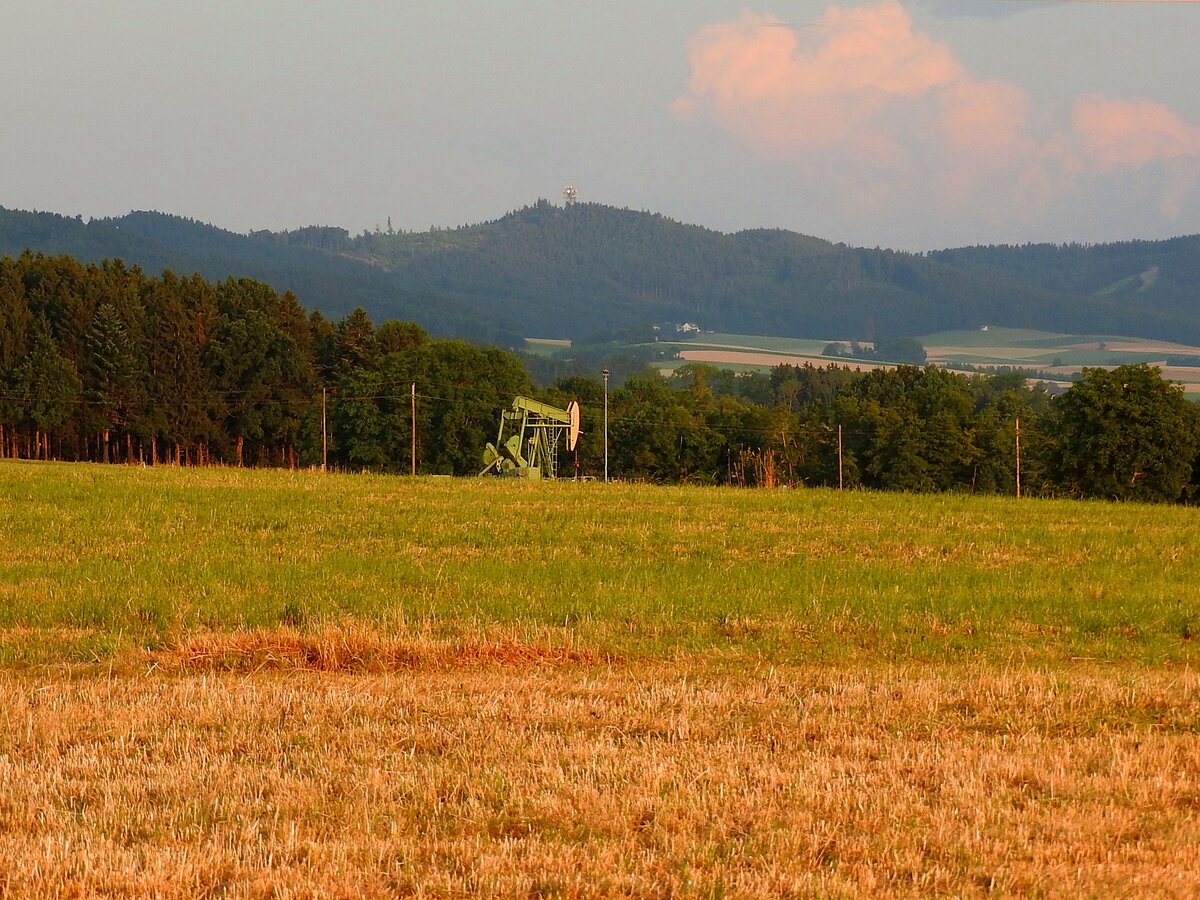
862,100
985,118
777,94
1131,133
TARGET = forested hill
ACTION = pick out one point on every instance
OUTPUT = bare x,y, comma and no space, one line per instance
330,282
1163,275
588,270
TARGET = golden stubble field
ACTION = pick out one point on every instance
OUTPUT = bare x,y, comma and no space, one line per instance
572,778
262,684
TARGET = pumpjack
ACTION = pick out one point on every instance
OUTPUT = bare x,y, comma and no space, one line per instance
535,431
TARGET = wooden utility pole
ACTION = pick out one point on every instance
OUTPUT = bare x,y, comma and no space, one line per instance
414,428
324,435
841,482
1018,457
605,373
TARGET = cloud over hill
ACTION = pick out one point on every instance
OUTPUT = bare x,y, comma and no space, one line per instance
874,116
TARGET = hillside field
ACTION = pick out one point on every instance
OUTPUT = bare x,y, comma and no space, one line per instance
1054,354
265,683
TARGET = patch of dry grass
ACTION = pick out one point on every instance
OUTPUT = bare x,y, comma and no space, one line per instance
476,775
356,648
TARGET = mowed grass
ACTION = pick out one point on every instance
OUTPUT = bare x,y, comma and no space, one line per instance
97,559
271,684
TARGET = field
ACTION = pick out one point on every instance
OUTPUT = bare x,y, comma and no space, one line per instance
1057,355
546,346
292,684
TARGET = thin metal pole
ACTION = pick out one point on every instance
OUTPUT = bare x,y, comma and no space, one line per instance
324,435
414,428
605,373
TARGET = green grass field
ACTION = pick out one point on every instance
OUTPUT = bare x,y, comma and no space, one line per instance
220,682
129,557
1045,350
546,346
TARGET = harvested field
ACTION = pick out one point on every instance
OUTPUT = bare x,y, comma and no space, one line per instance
646,779
1187,376
754,358
1167,348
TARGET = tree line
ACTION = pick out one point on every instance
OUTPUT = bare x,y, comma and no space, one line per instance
1120,434
102,362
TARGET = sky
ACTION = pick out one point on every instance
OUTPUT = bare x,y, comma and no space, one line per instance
912,125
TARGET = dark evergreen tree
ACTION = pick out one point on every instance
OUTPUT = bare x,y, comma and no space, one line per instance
49,390
188,409
116,379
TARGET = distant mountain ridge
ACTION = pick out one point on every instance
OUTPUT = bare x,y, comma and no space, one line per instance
587,269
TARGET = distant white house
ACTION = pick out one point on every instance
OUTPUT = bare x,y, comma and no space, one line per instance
687,328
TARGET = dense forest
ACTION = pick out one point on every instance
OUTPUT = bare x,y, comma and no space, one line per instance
103,362
589,271
327,281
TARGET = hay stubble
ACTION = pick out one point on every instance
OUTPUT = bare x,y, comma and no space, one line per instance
591,780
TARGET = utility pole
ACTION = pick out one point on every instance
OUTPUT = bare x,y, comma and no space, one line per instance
414,428
605,373
841,482
324,435
1018,457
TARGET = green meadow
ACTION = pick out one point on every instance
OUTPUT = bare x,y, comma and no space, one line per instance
97,562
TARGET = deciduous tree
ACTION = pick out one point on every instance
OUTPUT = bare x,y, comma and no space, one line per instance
1123,434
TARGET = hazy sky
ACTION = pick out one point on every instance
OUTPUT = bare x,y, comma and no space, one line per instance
913,125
